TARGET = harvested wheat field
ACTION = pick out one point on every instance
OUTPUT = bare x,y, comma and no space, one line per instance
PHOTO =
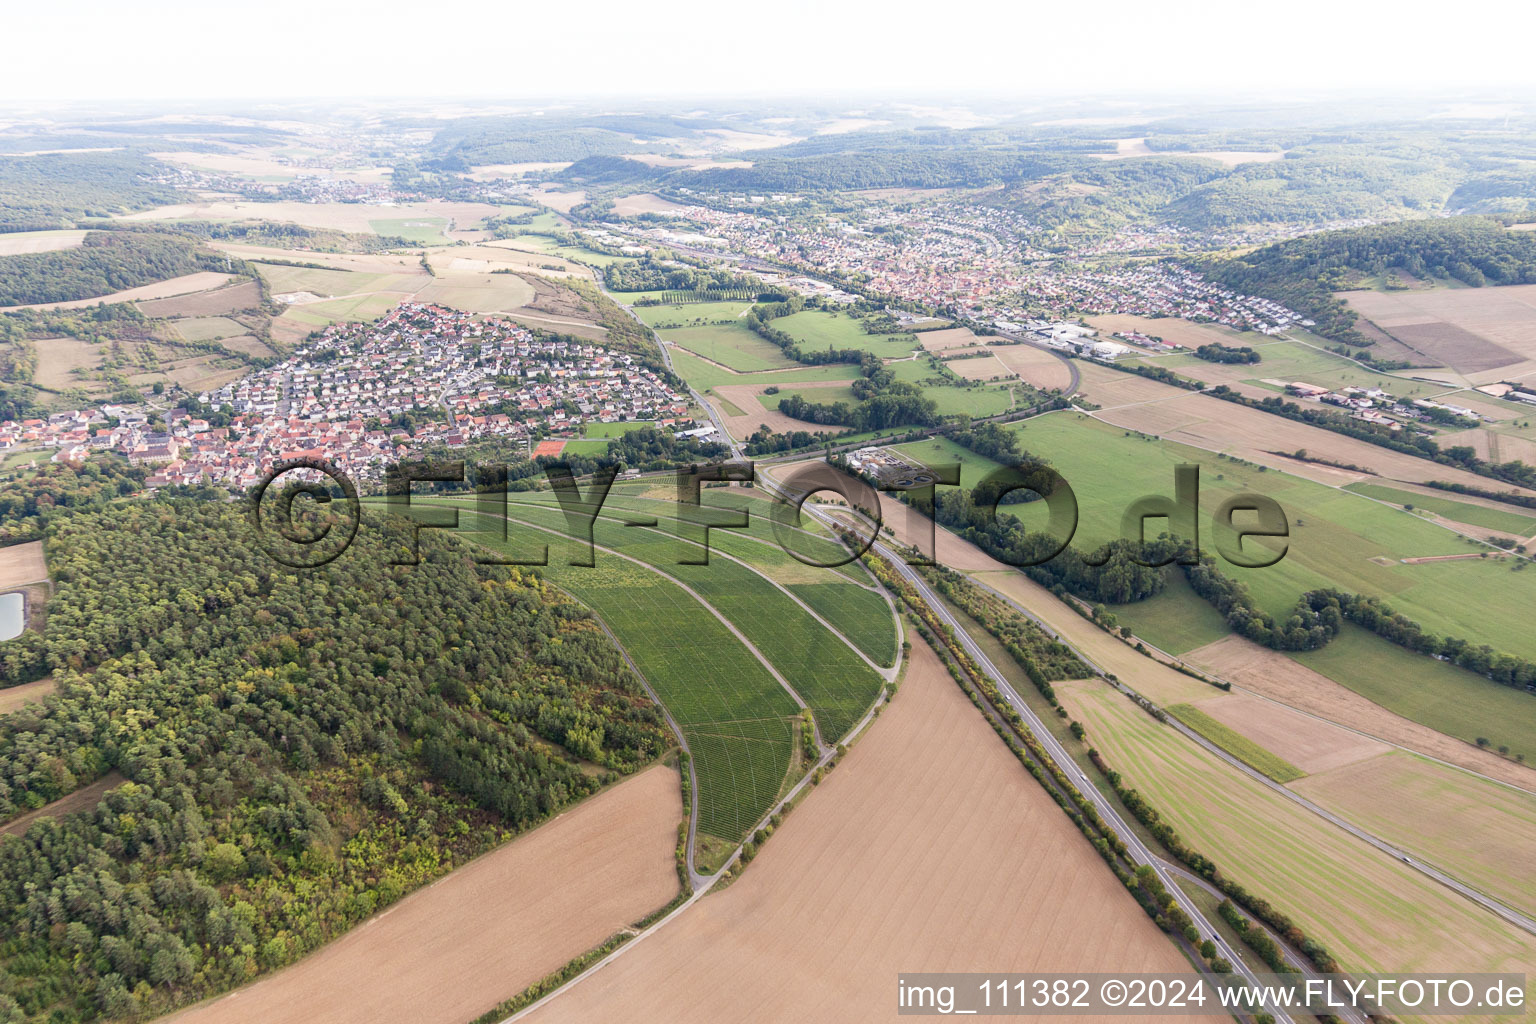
1035,366
451,951
1372,911
949,337
1271,674
1210,423
1175,331
231,299
201,281
363,263
633,206
13,697
745,398
1479,831
929,848
1309,743
20,242
356,217
1485,333
22,563
980,367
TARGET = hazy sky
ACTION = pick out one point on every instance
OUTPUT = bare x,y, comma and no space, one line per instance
74,49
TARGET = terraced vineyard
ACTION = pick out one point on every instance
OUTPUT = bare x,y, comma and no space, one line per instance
827,674
733,713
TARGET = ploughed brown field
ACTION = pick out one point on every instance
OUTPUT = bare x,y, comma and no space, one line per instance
1486,334
1272,674
929,848
1136,403
1307,742
449,952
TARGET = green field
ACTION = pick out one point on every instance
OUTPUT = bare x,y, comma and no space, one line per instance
613,429
1335,535
938,451
988,400
1459,511
209,328
704,376
1428,691
1295,361
857,612
425,230
825,396
1177,620
552,246
688,313
1239,746
581,446
729,345
818,329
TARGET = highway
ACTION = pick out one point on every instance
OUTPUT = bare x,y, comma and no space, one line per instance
1509,914
1139,853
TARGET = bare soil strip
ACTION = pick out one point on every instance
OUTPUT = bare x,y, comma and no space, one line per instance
1272,674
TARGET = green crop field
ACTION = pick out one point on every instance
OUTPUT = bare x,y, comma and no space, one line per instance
583,446
733,713
1431,692
1459,511
739,731
551,246
988,400
1336,537
426,230
818,329
1239,746
730,345
1295,361
1177,620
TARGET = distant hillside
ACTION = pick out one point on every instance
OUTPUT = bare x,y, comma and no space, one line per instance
105,262
1304,273
52,191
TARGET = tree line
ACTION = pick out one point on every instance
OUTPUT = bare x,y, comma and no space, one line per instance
302,748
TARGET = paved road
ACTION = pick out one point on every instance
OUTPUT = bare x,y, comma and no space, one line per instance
1139,853
1349,1013
1509,914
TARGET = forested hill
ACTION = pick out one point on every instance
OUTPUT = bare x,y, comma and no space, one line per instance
303,748
103,263
56,190
1304,273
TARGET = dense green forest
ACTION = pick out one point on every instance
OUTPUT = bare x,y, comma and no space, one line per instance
302,748
29,498
1304,273
103,263
55,190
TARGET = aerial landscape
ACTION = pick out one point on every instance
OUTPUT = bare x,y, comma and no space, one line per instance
633,533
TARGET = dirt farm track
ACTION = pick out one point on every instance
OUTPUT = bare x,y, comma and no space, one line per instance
929,848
